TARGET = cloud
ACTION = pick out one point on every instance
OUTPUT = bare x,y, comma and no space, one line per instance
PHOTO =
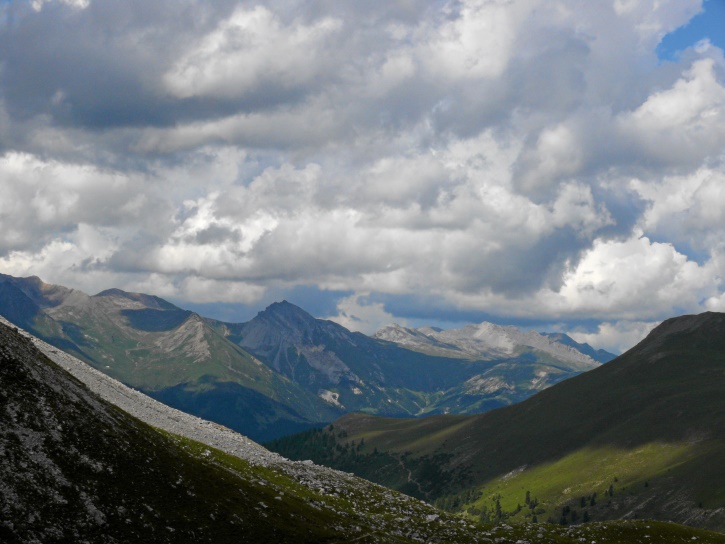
683,124
355,313
44,198
687,210
524,160
636,278
616,337
82,4
250,50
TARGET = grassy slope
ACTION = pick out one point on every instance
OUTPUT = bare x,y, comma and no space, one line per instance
77,469
655,415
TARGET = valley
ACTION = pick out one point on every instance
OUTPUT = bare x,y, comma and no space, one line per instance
640,437
102,475
286,371
502,439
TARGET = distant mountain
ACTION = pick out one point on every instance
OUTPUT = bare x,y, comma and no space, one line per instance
286,371
76,467
487,341
600,355
642,436
405,372
172,354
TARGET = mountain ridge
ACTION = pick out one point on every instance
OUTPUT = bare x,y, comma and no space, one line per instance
650,424
488,341
281,372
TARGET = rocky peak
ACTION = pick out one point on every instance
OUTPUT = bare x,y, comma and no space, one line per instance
44,295
287,314
145,301
395,333
485,341
285,320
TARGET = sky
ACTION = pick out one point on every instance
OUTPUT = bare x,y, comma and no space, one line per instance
556,165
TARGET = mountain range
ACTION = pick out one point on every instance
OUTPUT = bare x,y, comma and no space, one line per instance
87,459
642,436
284,370
76,468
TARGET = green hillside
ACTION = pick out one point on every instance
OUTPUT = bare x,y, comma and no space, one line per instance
642,436
77,469
169,353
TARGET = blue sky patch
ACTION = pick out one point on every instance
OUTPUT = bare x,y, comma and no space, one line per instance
708,24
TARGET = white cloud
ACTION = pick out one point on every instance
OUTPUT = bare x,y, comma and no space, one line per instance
557,154
682,124
358,315
688,209
44,197
479,42
252,49
80,4
635,278
518,158
77,260
616,337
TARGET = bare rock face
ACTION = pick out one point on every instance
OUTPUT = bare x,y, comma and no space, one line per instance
295,344
487,341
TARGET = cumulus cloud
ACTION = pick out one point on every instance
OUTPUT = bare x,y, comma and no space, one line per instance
688,209
82,4
683,124
616,337
636,278
252,49
44,198
356,313
520,159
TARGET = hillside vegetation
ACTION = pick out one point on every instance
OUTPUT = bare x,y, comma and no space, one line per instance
78,469
640,437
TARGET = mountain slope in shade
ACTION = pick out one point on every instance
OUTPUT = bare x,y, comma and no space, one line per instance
78,469
642,436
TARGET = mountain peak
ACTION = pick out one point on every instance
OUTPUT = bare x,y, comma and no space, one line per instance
285,305
702,331
45,295
285,312
149,301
